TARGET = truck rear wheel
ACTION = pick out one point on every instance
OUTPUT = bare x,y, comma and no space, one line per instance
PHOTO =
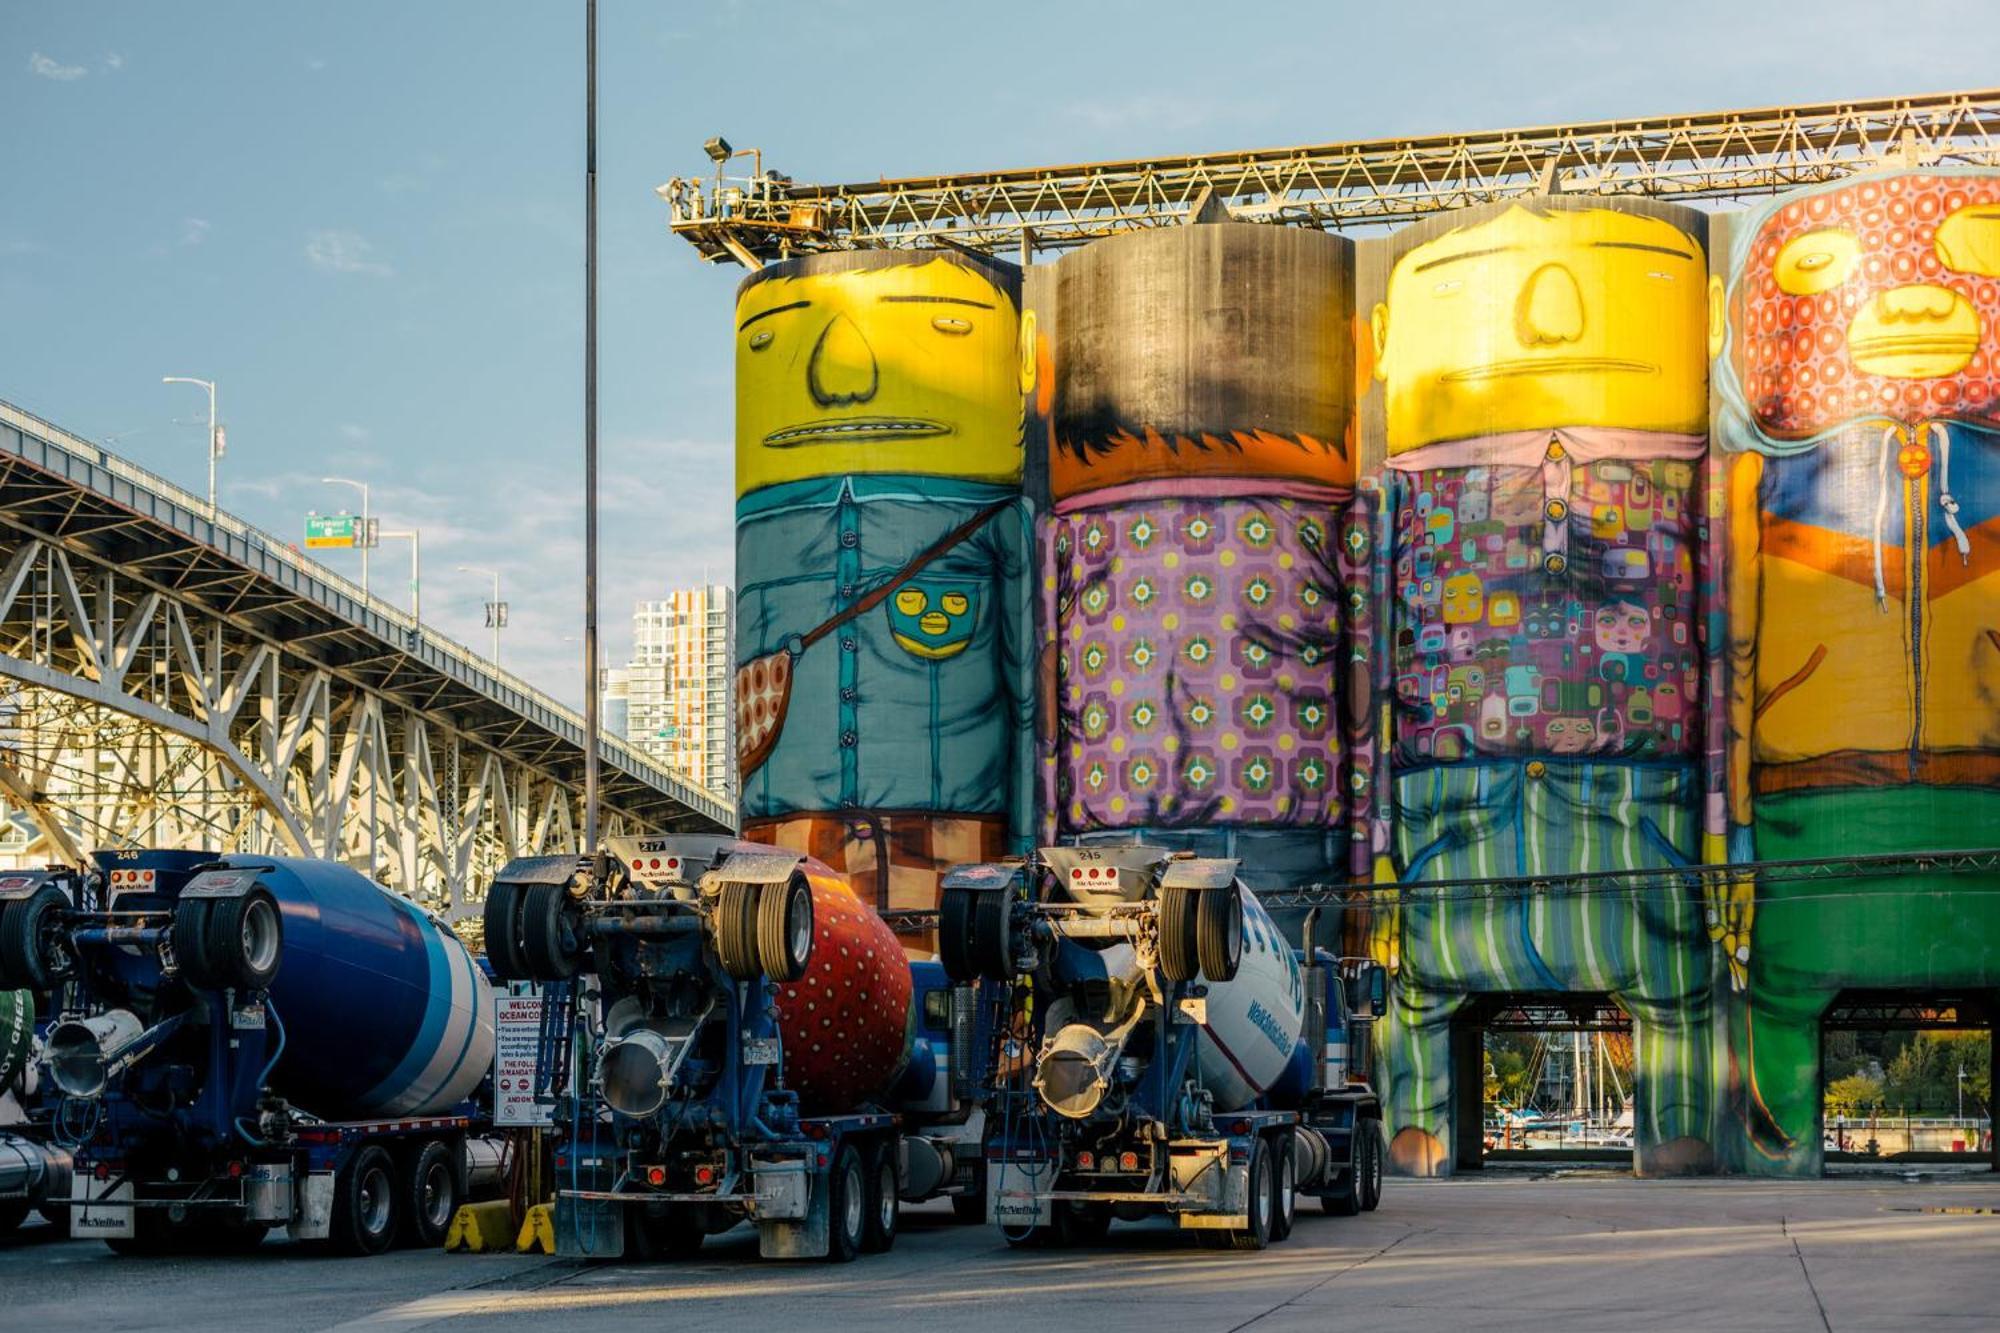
736,931
548,945
1371,1178
1345,1200
430,1194
152,1234
1218,932
364,1203
1285,1182
1262,1203
885,1204
846,1206
11,1217
785,929
502,925
32,957
1178,957
243,941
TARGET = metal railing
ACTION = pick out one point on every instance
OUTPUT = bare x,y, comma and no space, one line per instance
339,595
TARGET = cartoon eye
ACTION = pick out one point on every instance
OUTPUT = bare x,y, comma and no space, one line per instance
954,603
1969,240
1816,262
911,602
956,328
761,339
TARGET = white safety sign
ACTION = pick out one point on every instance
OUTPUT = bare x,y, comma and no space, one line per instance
517,1036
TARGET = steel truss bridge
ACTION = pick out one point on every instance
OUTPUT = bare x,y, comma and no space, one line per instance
1376,182
172,677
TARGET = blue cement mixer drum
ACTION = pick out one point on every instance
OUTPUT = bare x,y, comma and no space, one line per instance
385,1013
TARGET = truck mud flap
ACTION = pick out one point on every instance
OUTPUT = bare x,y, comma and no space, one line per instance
314,1220
117,1222
1018,1197
589,1228
808,1238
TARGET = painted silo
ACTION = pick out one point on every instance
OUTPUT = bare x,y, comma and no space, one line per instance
1200,460
883,585
1860,391
1544,408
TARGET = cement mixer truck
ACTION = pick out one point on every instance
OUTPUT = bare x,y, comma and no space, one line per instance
34,1172
745,1042
243,1043
1167,1051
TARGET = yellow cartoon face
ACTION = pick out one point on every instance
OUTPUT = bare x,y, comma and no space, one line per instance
1464,599
912,368
1529,321
933,621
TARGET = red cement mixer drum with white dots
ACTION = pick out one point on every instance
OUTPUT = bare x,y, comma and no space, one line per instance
846,1022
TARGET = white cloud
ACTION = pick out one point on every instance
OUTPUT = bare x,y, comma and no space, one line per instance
350,431
344,252
194,231
51,68
114,61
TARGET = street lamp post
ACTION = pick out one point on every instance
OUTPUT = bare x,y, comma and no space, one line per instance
411,536
361,486
214,440
496,610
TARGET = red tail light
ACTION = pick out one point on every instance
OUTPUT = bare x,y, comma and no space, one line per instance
656,1176
1086,1161
1128,1161
704,1175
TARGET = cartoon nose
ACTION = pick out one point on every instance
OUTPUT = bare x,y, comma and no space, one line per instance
934,622
1917,302
1549,309
842,369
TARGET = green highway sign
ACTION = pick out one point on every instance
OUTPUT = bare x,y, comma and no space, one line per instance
328,530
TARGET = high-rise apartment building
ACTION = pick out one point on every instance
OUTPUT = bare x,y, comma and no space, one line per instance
677,686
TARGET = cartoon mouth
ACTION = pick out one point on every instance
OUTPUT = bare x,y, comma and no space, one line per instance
1548,365
852,430
934,622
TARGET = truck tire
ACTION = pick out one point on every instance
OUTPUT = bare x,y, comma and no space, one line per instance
992,935
1262,1203
785,929
654,1232
243,941
190,940
970,1207
501,920
1218,932
32,956
955,949
1345,1200
1371,1178
1178,957
1284,1184
364,1203
548,944
736,931
846,1206
431,1193
885,1202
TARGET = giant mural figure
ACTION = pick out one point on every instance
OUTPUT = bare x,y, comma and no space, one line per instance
884,602
1860,390
1545,401
1200,462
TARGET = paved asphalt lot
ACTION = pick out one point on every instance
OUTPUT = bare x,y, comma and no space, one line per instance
1509,1250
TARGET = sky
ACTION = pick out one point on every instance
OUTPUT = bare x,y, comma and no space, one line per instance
365,220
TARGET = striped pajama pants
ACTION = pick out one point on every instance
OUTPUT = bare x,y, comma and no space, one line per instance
1644,945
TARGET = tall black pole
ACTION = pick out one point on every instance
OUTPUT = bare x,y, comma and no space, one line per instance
590,703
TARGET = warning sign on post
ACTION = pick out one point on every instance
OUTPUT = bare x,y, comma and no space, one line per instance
517,1036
